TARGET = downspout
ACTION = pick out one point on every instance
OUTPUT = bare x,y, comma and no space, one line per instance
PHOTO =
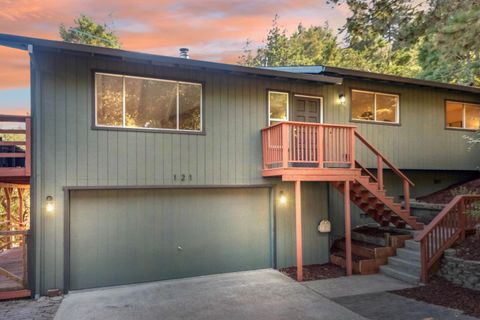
33,263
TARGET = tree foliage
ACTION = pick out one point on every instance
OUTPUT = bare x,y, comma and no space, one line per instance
450,50
430,39
87,31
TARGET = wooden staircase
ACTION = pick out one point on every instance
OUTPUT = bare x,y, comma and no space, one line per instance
301,151
374,202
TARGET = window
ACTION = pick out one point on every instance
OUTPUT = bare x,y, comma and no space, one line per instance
462,115
277,107
134,102
375,106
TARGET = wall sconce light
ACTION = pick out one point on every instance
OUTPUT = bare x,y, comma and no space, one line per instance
324,226
49,204
341,98
282,198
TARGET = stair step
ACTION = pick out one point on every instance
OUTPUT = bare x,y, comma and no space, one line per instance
361,266
412,245
367,250
409,255
410,267
397,274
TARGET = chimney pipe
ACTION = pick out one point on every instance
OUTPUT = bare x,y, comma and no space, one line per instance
184,53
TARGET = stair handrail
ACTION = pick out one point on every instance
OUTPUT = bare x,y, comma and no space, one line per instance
385,160
381,159
444,230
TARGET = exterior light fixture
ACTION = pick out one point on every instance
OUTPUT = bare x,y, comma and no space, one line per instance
341,98
283,198
49,204
324,226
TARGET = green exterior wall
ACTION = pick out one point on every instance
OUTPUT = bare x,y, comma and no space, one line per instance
420,141
68,152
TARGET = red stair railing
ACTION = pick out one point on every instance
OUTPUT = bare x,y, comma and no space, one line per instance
381,161
449,226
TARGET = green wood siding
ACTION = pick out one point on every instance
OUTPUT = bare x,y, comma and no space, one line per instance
421,140
68,152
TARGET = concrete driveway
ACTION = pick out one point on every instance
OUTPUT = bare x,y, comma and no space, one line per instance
262,294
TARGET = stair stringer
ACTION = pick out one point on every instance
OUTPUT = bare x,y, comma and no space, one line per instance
388,201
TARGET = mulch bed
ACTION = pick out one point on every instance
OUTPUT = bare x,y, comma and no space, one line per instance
469,249
444,293
315,272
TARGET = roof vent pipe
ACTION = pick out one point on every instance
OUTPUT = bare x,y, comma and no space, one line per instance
184,53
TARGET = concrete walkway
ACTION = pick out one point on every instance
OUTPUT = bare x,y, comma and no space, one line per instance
384,305
263,294
356,285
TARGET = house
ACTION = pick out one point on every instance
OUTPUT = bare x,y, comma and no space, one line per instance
146,167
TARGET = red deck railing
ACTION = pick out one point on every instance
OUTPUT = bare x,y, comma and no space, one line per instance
324,146
449,226
13,151
300,144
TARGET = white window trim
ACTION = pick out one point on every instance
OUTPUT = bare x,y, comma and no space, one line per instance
288,106
464,115
375,93
123,126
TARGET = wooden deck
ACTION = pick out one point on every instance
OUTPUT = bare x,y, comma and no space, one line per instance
12,261
300,151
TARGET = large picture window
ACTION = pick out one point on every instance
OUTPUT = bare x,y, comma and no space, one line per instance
462,115
375,106
277,107
135,102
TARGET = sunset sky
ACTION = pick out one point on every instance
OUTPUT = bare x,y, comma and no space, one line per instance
214,30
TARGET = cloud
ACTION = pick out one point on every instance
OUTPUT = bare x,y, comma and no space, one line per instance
212,29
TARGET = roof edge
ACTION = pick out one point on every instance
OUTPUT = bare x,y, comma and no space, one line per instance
21,42
343,72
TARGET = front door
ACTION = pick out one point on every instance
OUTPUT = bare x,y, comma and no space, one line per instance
307,109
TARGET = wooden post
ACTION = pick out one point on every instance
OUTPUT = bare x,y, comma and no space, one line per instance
352,147
462,219
285,140
298,229
20,208
320,129
424,260
380,172
406,195
348,230
28,146
8,210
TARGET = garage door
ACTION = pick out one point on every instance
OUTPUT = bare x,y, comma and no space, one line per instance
136,235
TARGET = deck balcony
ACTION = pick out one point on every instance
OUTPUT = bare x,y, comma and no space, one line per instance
309,151
15,149
15,163
300,151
